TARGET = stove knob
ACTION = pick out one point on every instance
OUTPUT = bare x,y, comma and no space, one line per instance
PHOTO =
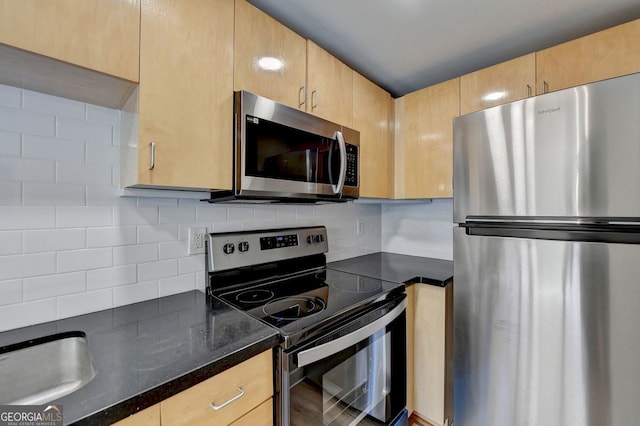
228,248
310,239
319,238
243,246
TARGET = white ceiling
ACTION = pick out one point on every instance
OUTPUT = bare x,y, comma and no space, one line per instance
405,45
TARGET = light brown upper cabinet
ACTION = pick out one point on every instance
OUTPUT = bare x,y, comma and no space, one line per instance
273,61
424,141
185,98
329,86
605,54
496,85
101,35
371,111
270,59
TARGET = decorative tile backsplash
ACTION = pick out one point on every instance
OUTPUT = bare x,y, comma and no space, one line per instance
70,244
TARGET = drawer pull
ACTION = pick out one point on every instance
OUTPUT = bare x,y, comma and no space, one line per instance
224,404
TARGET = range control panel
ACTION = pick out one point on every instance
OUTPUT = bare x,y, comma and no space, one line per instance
229,250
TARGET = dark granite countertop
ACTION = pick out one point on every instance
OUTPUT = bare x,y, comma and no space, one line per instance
399,268
146,352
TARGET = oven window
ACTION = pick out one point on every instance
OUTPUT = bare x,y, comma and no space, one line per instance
348,388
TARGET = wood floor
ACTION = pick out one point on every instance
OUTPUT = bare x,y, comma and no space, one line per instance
417,421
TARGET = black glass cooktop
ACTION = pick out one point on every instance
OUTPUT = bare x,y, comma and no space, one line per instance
296,304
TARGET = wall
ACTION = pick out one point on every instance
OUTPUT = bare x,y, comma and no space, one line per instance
70,244
419,229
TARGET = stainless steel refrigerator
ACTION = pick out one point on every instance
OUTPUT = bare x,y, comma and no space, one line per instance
547,260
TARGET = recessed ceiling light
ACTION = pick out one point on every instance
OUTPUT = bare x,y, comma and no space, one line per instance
269,63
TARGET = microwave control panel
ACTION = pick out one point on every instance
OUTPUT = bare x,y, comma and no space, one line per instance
352,166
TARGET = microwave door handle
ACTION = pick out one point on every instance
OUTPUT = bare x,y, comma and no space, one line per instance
337,189
309,356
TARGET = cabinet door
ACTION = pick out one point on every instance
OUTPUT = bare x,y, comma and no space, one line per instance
262,415
433,355
506,82
424,141
252,380
186,93
269,58
329,86
605,54
371,109
147,417
101,35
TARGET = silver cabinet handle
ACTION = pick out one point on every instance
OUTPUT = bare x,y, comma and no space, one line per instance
224,404
545,87
302,96
314,100
337,189
528,91
153,156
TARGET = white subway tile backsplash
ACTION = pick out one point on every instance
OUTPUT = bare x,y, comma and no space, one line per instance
133,215
157,233
84,131
84,303
102,154
10,96
9,144
49,148
10,242
185,214
48,286
239,214
103,115
24,314
102,195
134,293
83,216
53,105
111,277
10,193
265,213
129,255
179,284
83,173
50,240
82,260
154,270
49,193
157,201
26,170
173,249
11,292
27,217
111,237
27,122
209,213
193,263
27,265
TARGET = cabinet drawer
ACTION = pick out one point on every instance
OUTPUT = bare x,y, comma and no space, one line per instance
193,406
262,415
147,417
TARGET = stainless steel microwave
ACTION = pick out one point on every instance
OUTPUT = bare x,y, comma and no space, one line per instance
284,154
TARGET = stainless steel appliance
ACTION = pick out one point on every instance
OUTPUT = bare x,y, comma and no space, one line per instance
284,154
547,261
342,360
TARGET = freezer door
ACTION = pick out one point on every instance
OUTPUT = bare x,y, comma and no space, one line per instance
572,153
546,332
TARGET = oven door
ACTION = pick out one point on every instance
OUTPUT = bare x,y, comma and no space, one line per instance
354,375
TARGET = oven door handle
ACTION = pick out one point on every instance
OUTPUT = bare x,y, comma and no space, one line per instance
324,350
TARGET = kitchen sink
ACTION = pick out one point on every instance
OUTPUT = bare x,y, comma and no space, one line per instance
44,369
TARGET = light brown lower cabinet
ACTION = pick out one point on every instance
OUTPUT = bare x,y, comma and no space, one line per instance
242,394
433,353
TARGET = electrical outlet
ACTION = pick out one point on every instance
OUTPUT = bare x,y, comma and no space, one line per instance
359,226
196,240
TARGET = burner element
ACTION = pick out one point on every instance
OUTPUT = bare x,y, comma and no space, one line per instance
290,308
254,296
356,284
